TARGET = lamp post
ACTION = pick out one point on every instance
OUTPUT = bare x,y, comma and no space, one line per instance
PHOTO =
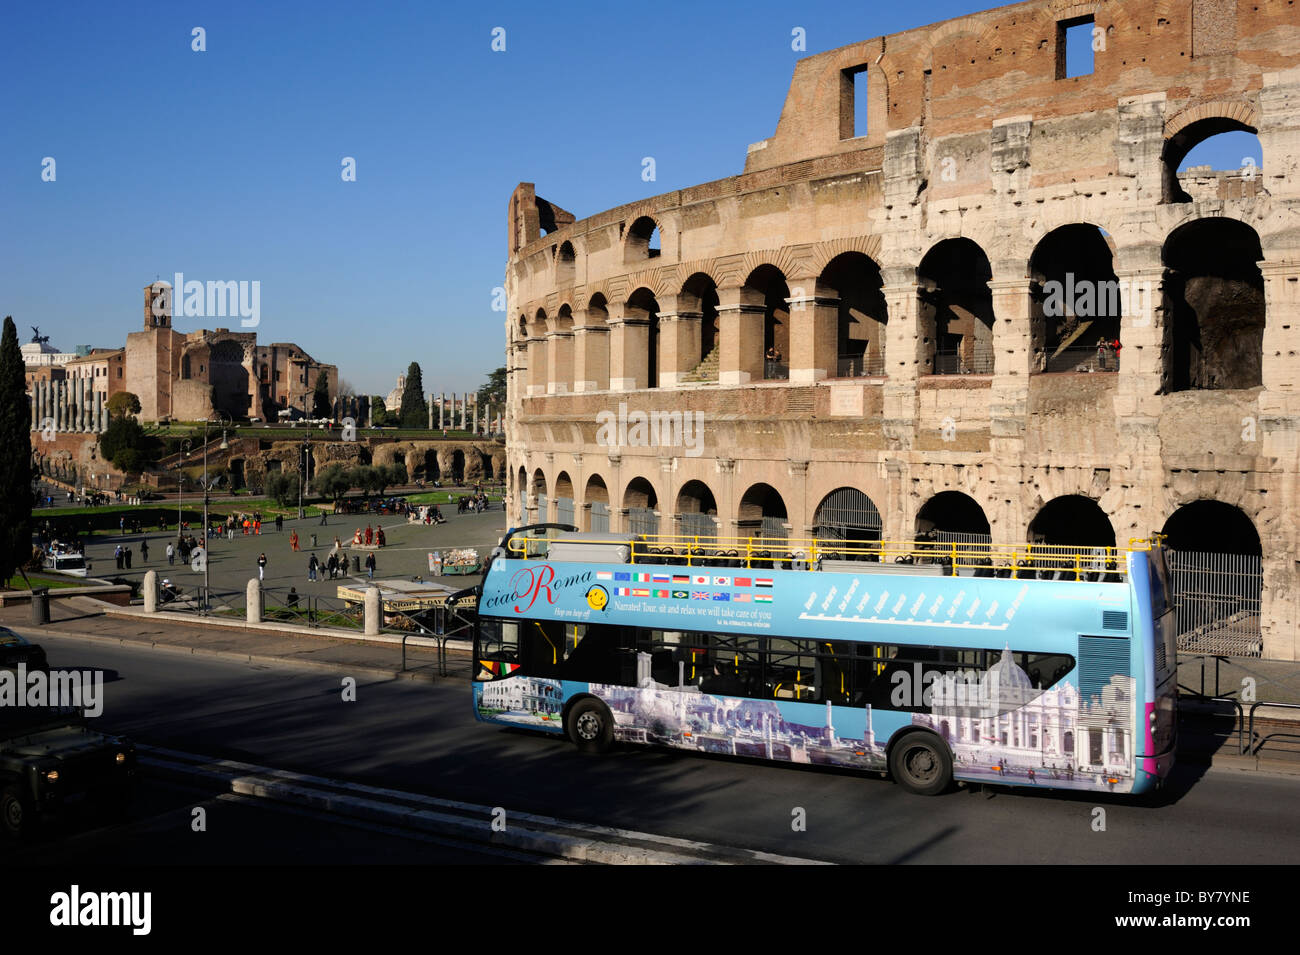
180,481
225,419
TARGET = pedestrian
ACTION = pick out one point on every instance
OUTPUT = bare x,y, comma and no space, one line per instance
312,565
293,540
117,556
257,526
144,550
171,553
332,564
370,565
292,600
380,539
126,555
246,525
261,567
279,523
323,515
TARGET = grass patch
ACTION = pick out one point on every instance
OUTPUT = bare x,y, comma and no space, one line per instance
40,580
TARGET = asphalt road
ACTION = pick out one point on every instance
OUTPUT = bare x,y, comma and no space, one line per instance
424,738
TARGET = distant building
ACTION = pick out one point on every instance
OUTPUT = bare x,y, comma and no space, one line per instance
394,400
104,367
192,376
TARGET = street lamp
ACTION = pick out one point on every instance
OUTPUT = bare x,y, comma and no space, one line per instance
180,480
225,420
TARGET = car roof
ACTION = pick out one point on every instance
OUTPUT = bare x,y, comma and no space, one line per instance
10,639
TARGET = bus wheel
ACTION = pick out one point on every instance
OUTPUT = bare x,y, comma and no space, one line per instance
591,727
920,763
13,813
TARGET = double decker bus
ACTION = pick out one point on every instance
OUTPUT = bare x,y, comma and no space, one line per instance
1035,666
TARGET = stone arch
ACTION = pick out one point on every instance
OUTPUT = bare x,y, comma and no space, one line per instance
766,284
640,504
1194,125
1214,306
953,515
855,282
847,517
761,512
595,504
637,238
1075,300
1073,520
700,294
645,364
696,510
956,309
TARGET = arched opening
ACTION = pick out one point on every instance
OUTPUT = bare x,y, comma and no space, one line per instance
539,370
1215,573
1214,307
1072,520
562,352
427,469
564,511
236,466
862,314
701,294
762,514
642,304
1076,302
956,309
521,495
846,522
643,241
596,358
1213,158
565,264
697,511
596,498
952,517
639,504
539,492
769,282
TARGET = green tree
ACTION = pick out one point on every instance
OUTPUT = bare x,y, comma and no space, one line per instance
16,459
282,487
320,399
380,416
415,407
127,446
493,394
123,404
334,481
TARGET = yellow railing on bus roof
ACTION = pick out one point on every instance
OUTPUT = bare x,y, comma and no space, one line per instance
1070,562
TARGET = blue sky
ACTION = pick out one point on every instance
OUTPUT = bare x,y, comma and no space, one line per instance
225,164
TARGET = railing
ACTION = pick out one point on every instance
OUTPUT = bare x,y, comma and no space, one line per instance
1217,601
775,370
953,363
1083,358
1023,561
600,517
859,366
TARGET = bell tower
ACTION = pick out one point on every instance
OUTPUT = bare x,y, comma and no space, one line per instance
158,305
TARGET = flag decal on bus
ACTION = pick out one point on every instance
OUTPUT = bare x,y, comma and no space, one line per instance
763,582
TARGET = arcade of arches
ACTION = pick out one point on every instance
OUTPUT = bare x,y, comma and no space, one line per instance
1003,311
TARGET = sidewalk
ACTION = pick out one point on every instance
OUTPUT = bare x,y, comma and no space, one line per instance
86,618
1208,732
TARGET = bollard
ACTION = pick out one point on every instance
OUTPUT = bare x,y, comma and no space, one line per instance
40,606
254,601
374,612
150,589
356,563
313,541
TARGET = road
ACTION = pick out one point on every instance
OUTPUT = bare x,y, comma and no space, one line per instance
423,738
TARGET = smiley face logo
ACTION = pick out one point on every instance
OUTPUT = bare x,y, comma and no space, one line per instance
597,598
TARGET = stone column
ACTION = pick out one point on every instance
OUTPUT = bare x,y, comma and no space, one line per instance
679,337
61,407
560,344
431,411
537,366
374,613
464,408
740,329
590,354
814,336
629,342
99,411
103,417
442,409
254,601
81,404
150,589
905,357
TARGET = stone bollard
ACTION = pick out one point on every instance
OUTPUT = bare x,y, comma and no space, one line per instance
374,612
150,587
254,601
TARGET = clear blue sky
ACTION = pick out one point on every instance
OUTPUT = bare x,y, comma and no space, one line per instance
225,164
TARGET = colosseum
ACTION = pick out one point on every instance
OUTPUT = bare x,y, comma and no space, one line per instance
999,312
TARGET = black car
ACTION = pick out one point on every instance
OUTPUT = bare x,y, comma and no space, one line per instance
15,650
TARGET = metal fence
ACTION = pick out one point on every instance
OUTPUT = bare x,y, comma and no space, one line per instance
642,520
696,524
953,363
775,370
543,510
564,510
1083,358
1216,600
859,366
600,516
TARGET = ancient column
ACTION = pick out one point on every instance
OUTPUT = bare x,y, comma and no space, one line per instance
431,411
741,312
464,406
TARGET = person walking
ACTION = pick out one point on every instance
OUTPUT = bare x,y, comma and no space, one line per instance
126,556
144,550
312,566
171,553
293,540
279,523
261,566
323,515
370,566
117,556
332,565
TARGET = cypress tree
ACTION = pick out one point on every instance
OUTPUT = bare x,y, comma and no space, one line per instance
415,407
15,457
320,399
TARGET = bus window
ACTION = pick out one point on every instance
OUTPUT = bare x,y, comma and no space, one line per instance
601,654
791,672
1045,670
496,648
731,666
541,649
835,672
